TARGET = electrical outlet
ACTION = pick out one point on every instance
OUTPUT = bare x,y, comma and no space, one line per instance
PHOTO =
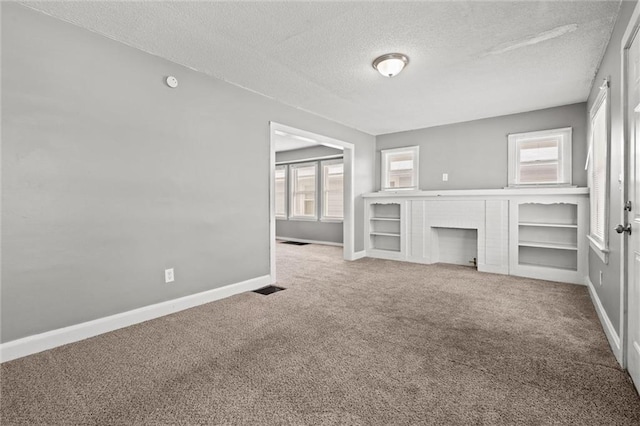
601,277
168,276
445,177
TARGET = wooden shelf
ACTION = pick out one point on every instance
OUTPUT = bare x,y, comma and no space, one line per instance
549,225
539,244
385,234
393,219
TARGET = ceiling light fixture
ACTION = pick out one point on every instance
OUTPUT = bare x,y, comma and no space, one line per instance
390,64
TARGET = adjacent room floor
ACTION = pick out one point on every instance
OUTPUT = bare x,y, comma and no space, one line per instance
365,342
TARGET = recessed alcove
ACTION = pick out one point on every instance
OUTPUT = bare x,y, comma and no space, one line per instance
458,246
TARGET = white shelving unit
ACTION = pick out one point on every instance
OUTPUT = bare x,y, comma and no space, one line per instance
531,232
547,239
385,230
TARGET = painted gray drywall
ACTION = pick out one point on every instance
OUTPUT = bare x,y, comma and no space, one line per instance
474,153
303,229
109,176
330,232
609,291
305,153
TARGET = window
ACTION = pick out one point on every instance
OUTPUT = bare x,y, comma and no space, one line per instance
303,191
598,165
399,168
540,158
281,192
332,190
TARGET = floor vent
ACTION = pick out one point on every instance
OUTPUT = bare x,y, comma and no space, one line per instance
295,243
268,290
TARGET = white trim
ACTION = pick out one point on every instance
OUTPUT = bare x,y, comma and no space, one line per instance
504,192
286,191
358,255
302,240
272,201
627,40
306,160
74,333
564,160
384,171
607,325
600,244
596,247
321,198
293,186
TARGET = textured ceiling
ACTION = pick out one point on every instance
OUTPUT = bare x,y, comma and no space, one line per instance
469,59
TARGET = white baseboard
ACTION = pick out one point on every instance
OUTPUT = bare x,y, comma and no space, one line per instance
62,336
301,240
607,325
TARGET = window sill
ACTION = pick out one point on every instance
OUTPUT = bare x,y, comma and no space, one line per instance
304,219
392,190
545,185
599,249
281,218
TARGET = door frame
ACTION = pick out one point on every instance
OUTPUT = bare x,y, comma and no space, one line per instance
348,223
631,32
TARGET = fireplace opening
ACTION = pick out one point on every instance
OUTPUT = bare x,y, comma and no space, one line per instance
457,246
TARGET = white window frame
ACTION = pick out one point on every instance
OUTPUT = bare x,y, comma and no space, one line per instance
600,243
292,191
564,160
286,191
323,190
384,167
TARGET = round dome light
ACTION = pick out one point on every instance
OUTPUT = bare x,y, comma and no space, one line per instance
390,64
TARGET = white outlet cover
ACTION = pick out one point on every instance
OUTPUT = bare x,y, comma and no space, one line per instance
445,177
168,275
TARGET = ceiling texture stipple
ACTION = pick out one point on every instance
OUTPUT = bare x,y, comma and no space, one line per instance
469,59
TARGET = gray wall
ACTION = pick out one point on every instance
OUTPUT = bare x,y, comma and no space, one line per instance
474,153
303,229
109,176
609,291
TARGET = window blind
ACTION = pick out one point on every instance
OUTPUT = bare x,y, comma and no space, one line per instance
599,173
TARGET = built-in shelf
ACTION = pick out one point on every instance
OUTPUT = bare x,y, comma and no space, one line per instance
384,227
562,268
549,225
557,246
547,237
387,249
530,232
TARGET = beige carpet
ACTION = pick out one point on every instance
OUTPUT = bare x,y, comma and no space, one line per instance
365,342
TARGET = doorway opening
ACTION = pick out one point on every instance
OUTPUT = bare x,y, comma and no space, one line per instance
308,188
